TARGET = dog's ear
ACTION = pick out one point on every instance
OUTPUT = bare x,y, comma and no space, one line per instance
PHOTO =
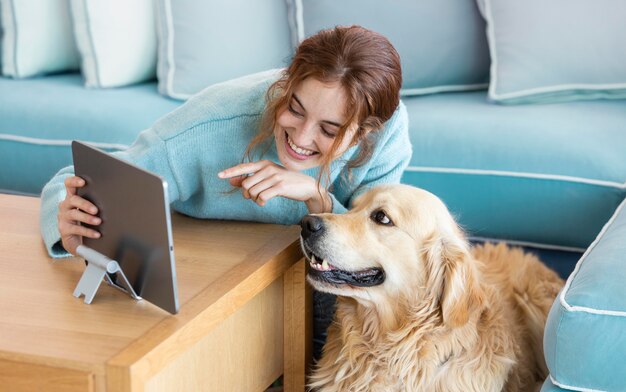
459,293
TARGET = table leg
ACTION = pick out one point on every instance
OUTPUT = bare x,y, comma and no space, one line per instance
298,327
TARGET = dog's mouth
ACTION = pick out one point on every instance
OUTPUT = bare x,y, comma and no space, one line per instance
322,270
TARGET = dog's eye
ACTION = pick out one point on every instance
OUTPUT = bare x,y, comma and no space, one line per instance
381,218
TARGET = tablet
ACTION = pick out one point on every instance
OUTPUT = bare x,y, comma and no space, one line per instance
136,227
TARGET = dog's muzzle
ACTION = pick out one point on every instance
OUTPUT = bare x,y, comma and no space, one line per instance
312,229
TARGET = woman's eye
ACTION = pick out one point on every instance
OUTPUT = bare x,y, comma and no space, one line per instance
328,134
381,218
293,111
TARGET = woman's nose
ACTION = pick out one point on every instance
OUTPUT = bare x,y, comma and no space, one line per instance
305,134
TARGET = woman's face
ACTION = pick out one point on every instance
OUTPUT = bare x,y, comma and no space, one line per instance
306,128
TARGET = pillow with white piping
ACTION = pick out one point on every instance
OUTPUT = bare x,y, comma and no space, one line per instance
560,50
37,38
205,42
442,43
117,41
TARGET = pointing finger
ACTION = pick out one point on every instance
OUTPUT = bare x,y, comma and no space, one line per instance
235,171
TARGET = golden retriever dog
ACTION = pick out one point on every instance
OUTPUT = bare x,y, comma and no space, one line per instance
418,309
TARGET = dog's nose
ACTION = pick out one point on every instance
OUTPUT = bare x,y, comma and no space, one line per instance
311,225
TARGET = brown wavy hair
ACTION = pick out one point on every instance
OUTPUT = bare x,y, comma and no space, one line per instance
367,67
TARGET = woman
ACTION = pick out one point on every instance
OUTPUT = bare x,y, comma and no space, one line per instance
311,138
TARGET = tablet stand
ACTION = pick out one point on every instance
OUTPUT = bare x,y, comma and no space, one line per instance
99,267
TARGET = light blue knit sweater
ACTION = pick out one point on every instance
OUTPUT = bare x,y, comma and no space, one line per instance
209,133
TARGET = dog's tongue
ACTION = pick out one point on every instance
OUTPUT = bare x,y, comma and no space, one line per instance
366,278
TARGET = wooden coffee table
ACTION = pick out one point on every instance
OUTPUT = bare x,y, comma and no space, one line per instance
244,317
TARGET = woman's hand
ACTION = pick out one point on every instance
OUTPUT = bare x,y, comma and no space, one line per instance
73,211
262,180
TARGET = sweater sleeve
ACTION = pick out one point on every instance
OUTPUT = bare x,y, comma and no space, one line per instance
149,152
392,154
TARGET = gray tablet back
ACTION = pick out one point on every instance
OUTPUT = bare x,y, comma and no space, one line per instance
136,228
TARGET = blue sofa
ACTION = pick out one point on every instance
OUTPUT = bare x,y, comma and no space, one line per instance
549,177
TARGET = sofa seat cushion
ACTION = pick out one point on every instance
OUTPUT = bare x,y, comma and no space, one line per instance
584,341
543,174
40,117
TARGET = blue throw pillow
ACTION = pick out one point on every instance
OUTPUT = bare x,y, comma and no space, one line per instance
206,42
558,50
37,38
117,41
442,43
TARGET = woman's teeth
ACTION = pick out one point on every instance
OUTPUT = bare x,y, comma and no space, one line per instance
297,149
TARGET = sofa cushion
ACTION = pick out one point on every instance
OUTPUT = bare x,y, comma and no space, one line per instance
574,50
416,29
584,341
39,118
548,386
117,40
37,38
544,174
202,43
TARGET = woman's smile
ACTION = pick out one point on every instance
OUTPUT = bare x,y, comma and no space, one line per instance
296,151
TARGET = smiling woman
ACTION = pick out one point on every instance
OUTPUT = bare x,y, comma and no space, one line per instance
341,85
305,139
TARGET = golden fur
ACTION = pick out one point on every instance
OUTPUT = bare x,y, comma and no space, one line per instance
446,318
